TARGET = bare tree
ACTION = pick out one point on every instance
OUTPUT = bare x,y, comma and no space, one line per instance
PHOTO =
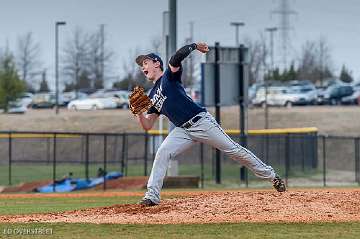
28,63
100,58
258,54
75,60
315,62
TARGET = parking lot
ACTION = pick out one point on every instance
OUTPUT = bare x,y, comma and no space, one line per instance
338,120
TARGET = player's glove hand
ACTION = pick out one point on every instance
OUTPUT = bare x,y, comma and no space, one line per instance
139,102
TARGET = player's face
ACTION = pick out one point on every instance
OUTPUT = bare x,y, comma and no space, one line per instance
149,68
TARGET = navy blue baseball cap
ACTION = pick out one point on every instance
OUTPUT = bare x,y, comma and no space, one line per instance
152,56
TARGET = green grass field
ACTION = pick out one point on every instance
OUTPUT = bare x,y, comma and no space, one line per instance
204,231
83,230
27,172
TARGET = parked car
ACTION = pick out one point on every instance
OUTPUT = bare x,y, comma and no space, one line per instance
334,93
98,94
121,98
306,91
26,99
17,107
353,99
72,95
44,100
280,96
92,104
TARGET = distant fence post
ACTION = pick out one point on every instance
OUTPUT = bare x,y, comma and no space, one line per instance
146,152
302,146
105,161
202,164
357,160
54,161
87,157
126,153
287,157
123,153
10,156
324,159
48,152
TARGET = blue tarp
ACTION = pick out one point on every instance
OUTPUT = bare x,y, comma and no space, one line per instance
69,184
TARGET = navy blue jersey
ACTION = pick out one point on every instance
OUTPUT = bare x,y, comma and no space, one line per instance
169,98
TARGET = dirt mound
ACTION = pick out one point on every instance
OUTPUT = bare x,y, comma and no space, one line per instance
213,207
26,187
124,183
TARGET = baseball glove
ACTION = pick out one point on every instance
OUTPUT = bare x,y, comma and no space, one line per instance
139,101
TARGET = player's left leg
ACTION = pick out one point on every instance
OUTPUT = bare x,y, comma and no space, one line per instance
210,132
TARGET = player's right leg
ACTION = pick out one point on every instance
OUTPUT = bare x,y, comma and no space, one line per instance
174,144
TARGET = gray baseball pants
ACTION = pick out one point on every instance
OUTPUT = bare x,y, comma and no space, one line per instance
208,131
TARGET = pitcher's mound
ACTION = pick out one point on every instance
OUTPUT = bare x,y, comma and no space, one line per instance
213,207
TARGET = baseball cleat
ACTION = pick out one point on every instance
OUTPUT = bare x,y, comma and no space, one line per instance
279,184
147,202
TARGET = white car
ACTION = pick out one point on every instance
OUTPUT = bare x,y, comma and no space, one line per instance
279,96
308,92
17,107
121,97
92,104
26,99
72,95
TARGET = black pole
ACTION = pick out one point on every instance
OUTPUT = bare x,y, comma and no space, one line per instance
202,164
217,107
54,162
10,157
304,137
126,155
242,116
87,157
48,154
123,153
57,24
287,158
324,160
357,160
105,159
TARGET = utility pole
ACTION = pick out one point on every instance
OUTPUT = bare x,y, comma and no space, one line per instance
173,165
191,61
57,24
102,34
271,30
284,12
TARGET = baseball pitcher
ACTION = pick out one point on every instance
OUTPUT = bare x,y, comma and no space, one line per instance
193,122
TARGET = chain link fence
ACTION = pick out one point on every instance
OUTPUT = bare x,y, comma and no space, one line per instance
304,159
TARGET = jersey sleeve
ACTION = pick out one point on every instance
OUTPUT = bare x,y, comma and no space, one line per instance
153,110
174,76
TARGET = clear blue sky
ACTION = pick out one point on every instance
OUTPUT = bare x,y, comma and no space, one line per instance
131,24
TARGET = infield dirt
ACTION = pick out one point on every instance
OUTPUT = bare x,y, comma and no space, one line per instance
305,205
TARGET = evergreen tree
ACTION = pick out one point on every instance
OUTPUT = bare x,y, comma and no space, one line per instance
10,84
44,87
345,75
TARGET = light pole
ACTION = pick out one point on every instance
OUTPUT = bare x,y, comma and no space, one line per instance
237,25
57,24
271,30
